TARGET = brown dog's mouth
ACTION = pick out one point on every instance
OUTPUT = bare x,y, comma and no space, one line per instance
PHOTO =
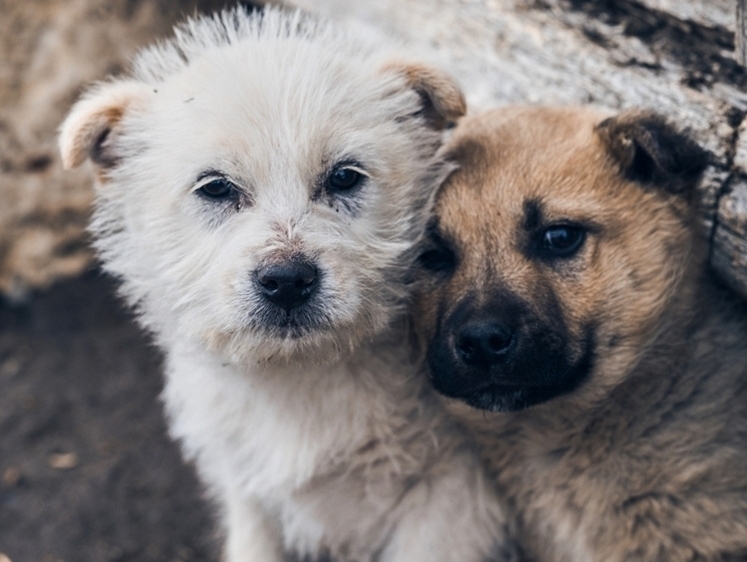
498,398
512,398
508,398
528,376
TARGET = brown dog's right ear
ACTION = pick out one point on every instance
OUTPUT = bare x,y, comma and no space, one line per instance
652,152
88,130
442,99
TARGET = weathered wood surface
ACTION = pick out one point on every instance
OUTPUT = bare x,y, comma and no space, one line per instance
671,55
48,52
677,56
740,39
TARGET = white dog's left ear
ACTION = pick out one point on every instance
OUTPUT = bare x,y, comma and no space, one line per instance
443,100
88,130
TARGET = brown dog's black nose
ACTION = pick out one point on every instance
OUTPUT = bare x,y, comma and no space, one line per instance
483,344
288,284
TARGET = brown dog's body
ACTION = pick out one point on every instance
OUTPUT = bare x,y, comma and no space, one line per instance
569,305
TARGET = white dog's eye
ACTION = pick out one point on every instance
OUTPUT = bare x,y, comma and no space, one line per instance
344,178
218,189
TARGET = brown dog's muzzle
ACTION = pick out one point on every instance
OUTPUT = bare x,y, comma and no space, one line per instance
502,356
484,344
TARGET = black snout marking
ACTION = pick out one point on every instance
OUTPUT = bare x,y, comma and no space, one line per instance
287,284
484,344
502,354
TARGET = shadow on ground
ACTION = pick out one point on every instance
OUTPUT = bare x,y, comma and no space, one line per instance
88,473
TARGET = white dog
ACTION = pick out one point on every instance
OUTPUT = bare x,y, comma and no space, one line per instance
263,182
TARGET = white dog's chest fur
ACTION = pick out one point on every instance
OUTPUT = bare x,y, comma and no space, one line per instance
272,426
321,448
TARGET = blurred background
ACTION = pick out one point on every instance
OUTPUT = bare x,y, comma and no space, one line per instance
87,472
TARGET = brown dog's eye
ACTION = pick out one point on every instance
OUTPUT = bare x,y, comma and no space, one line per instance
438,256
441,260
562,241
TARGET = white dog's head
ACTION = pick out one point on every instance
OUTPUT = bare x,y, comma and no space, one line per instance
263,179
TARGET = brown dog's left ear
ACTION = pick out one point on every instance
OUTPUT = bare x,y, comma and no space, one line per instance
651,151
442,100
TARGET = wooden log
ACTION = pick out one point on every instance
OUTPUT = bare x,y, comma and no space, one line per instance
709,13
48,52
675,57
740,37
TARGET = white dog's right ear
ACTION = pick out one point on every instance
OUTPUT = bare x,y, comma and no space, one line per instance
443,100
87,132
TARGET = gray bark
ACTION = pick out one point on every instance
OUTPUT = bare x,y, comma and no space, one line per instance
675,56
740,37
48,52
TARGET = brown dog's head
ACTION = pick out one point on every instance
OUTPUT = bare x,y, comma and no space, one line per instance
556,247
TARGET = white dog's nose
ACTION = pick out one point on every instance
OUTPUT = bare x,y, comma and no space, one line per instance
287,284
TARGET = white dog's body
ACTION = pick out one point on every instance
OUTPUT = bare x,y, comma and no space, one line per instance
264,180
346,458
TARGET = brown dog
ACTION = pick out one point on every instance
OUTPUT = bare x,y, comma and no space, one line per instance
568,303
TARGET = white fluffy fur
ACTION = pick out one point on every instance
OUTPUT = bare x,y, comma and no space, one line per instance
328,442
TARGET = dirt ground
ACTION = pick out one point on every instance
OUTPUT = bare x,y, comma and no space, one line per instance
88,473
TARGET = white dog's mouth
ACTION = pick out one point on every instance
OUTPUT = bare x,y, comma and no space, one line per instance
290,299
296,323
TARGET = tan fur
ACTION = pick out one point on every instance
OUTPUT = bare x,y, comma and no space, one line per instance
93,119
445,96
647,459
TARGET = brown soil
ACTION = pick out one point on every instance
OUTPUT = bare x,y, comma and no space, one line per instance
79,386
